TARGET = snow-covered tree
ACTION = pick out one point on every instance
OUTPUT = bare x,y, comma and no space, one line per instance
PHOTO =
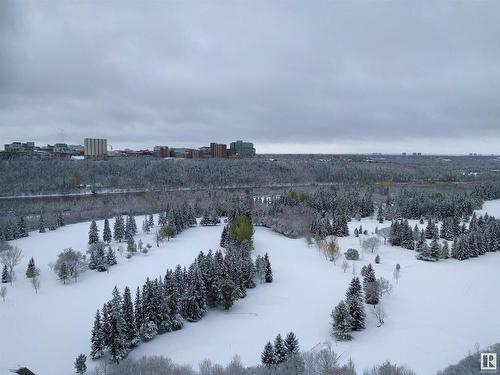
269,272
291,344
80,365
97,339
267,356
93,233
341,322
280,352
354,303
228,293
10,257
106,234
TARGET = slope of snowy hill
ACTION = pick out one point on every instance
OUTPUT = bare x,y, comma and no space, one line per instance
436,313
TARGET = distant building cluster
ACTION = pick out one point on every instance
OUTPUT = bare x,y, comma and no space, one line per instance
97,149
29,150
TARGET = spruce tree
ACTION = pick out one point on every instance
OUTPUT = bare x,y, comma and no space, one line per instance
93,233
21,228
5,275
106,233
269,271
41,225
80,366
111,257
118,229
228,293
444,252
280,353
128,316
341,322
354,302
291,344
267,356
117,340
60,220
97,342
370,286
31,271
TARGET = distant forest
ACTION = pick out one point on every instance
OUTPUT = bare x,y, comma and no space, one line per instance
24,177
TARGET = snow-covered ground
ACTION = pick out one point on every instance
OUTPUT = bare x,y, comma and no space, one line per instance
436,313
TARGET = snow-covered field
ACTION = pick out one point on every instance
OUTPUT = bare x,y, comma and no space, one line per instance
436,313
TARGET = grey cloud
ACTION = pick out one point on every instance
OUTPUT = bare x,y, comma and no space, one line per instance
352,75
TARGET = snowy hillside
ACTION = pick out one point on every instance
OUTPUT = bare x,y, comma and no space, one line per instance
436,313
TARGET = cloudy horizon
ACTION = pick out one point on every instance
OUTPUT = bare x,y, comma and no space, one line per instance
292,77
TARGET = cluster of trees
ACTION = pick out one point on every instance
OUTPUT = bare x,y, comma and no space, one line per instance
324,212
210,218
15,229
281,351
349,314
101,259
239,232
58,176
70,264
163,304
483,235
324,226
415,204
324,361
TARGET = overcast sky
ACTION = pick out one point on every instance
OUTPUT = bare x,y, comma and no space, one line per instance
308,76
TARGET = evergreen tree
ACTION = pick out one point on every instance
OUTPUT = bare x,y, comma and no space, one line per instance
434,249
21,228
139,316
31,271
100,257
106,234
5,275
354,302
370,286
60,220
92,259
119,229
267,356
131,246
111,257
291,344
97,342
280,352
269,271
41,225
117,340
228,293
80,366
224,237
444,252
341,322
93,233
129,318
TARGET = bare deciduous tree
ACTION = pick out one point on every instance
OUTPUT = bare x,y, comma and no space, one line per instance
35,283
380,314
11,257
371,243
3,292
345,265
